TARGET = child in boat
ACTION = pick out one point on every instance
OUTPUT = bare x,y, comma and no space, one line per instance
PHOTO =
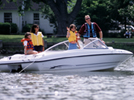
28,45
72,37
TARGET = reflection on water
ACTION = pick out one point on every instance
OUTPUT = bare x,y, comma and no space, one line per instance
100,85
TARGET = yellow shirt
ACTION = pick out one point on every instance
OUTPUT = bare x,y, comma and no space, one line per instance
72,36
37,40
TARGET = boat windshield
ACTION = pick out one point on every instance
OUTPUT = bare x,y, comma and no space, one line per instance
59,47
95,44
62,46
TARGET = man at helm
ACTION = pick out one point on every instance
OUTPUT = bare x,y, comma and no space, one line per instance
89,30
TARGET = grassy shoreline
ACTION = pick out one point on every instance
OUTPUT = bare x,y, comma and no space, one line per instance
17,38
12,43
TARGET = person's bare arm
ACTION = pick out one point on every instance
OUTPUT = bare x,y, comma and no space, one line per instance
25,50
78,44
43,44
101,35
67,36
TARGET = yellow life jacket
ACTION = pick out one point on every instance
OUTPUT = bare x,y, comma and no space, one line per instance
72,36
37,39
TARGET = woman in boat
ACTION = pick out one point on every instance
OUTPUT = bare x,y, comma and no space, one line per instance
72,37
28,45
37,38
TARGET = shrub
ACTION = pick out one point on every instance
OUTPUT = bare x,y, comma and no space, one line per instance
5,28
27,28
14,28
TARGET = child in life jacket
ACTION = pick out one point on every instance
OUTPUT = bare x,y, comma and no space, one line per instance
72,37
28,45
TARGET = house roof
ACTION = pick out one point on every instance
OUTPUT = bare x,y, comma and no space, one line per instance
14,6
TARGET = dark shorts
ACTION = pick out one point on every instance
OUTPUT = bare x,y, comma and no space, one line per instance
38,48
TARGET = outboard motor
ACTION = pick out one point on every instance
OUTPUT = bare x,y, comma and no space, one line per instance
15,68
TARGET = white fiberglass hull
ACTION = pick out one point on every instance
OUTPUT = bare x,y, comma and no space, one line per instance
87,63
81,62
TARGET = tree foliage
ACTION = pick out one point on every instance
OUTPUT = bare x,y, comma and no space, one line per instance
122,11
97,9
63,12
104,12
59,10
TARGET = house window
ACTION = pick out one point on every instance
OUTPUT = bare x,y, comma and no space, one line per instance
36,18
8,17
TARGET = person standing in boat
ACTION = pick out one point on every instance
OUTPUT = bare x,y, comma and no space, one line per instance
37,38
28,45
89,30
72,37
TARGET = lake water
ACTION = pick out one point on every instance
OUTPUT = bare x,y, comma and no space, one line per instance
100,85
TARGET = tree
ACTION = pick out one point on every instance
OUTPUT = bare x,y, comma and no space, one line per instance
122,10
98,11
126,11
0,2
106,11
49,14
59,8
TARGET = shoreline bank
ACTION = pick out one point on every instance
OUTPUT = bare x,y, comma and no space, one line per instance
17,48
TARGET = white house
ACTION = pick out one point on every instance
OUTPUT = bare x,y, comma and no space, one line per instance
9,13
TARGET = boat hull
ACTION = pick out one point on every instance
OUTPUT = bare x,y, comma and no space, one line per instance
72,63
85,63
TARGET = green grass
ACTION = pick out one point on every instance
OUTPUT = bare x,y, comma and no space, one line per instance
53,39
17,38
11,38
118,40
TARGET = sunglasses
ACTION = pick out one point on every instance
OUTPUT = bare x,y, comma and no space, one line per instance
37,27
87,18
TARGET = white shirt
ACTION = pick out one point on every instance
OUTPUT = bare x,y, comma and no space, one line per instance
38,33
25,43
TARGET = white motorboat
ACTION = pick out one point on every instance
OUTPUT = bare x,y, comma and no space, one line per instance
91,57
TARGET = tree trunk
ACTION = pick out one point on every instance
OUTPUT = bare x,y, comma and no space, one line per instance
63,18
61,28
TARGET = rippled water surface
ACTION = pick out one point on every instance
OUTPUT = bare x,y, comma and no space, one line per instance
100,85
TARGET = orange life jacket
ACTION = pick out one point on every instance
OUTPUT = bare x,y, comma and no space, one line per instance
29,43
